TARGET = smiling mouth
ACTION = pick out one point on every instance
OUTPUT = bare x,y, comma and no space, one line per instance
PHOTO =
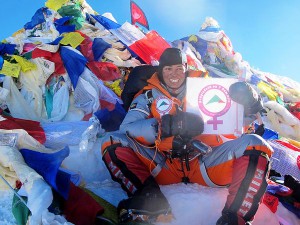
174,80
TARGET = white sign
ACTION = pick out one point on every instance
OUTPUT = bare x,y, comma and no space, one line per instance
210,98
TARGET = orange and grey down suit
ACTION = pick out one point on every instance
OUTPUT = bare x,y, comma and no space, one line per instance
137,152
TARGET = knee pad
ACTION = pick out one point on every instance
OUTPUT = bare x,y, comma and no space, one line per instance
248,184
119,171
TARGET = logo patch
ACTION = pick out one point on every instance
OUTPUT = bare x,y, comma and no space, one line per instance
214,101
163,105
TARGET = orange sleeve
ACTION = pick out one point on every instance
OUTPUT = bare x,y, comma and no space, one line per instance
165,144
210,139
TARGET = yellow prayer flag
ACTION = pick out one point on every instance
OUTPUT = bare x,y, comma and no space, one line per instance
115,87
55,4
267,90
294,142
72,38
22,30
24,63
10,69
193,38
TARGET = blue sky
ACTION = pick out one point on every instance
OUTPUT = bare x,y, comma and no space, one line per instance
265,32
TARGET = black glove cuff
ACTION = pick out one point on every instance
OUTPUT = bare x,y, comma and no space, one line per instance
166,126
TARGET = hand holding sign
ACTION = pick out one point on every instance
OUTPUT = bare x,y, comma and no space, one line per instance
244,94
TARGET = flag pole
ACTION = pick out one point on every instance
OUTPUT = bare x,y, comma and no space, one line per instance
16,193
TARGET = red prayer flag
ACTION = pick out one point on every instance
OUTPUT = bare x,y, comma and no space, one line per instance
137,15
150,47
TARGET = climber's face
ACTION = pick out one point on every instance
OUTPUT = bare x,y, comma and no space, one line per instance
174,76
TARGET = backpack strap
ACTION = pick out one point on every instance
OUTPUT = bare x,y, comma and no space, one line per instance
149,97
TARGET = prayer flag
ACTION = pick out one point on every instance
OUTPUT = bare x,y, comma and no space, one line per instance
137,15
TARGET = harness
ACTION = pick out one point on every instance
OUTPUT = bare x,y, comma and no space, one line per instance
149,97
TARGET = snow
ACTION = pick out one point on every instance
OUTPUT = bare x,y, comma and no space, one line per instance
191,204
6,216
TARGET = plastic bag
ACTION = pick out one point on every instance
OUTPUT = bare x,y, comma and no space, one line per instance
62,133
89,136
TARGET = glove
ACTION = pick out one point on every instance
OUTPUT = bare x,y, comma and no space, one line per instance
244,94
184,124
